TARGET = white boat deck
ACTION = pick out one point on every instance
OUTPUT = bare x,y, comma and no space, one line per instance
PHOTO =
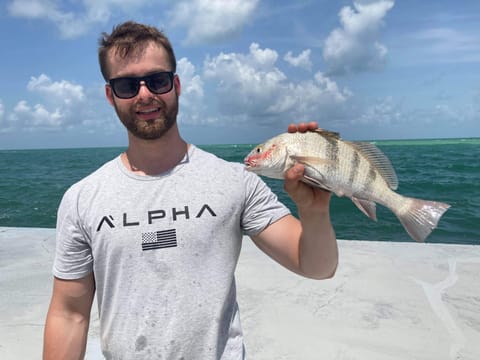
388,301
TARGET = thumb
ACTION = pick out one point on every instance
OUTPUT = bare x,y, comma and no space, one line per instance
294,174
297,190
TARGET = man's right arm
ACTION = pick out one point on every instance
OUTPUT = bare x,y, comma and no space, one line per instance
68,318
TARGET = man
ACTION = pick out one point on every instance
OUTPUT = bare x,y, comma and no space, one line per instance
157,231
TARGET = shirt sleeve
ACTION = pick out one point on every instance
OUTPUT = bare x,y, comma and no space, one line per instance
262,206
73,255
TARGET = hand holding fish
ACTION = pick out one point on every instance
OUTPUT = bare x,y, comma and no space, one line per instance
307,245
303,195
306,197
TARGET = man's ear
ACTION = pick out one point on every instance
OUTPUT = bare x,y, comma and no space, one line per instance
109,94
178,86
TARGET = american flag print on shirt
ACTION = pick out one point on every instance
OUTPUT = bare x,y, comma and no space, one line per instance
159,239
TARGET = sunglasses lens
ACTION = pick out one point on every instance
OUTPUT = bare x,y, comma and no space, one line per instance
128,87
125,88
160,83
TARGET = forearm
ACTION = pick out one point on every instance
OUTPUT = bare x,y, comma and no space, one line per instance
65,337
318,251
68,318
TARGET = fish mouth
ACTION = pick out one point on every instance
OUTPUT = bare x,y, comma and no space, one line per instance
249,163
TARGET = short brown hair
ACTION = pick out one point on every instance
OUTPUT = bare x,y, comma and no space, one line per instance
131,37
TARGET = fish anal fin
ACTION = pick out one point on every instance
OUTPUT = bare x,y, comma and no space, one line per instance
367,207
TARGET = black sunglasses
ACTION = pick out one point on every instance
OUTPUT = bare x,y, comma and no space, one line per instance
128,87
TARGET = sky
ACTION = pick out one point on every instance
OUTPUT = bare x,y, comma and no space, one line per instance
368,69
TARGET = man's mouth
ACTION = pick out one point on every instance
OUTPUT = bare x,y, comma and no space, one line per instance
148,114
149,111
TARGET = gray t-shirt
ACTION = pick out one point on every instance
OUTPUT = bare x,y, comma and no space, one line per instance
163,250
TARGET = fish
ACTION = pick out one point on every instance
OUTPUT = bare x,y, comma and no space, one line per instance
357,170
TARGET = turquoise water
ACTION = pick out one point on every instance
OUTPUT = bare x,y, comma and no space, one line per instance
32,183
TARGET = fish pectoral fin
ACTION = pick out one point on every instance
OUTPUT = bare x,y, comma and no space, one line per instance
311,160
315,183
367,207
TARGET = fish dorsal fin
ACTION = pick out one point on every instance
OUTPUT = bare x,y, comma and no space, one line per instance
379,161
328,134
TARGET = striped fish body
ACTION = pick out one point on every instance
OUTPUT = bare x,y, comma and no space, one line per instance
357,170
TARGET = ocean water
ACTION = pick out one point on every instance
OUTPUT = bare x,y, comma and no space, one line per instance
32,183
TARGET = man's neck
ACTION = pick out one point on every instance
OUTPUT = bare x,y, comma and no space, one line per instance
153,157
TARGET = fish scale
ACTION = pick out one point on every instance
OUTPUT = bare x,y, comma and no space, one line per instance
357,170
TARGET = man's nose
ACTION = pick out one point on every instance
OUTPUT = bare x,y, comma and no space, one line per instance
143,91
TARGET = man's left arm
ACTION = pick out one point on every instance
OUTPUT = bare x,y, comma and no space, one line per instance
307,246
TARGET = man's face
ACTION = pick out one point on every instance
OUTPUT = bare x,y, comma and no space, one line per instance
147,115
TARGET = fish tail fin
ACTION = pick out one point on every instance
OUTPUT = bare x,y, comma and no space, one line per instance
421,216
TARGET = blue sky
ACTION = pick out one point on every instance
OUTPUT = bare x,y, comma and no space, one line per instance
369,69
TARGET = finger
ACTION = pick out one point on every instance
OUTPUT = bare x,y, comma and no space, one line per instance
300,193
303,127
292,128
295,173
312,125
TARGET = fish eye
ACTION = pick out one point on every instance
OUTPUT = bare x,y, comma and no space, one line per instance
258,150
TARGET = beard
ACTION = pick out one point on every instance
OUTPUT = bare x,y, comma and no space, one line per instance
151,129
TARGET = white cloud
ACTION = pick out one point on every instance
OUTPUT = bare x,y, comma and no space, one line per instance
211,20
60,107
28,117
205,20
263,57
192,84
302,60
384,112
58,92
32,9
191,100
354,46
252,87
67,22
73,24
248,83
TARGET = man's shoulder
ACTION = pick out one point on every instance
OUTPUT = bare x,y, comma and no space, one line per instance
97,176
218,170
208,159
